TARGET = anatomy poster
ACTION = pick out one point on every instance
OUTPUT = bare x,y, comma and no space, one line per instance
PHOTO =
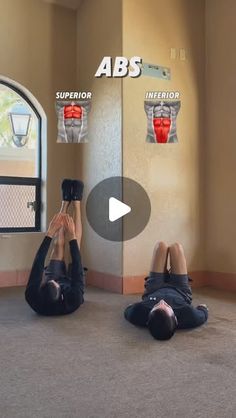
161,116
72,121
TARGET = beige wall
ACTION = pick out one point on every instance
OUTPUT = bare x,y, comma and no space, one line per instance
172,174
37,49
221,143
19,168
189,183
98,35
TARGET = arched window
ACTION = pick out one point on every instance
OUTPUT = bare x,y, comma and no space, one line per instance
20,159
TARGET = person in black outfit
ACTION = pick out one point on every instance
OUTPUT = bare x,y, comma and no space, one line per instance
54,290
166,302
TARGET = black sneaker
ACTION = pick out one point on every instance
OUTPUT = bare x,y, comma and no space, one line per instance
77,190
66,187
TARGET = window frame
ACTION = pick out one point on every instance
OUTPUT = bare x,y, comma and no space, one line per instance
27,181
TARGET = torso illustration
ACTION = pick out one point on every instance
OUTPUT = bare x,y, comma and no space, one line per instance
162,121
73,121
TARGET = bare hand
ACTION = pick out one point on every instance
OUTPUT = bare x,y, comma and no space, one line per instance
55,224
203,306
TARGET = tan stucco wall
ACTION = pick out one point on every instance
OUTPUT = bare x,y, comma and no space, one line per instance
189,183
221,143
19,168
37,49
98,35
172,174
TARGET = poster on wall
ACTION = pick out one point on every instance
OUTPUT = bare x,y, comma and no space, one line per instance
161,118
72,123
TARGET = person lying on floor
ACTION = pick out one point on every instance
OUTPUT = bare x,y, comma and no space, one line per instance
166,302
54,290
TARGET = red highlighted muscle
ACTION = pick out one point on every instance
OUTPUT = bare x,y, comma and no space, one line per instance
71,111
162,129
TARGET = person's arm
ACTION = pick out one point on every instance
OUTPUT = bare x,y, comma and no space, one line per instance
190,317
77,273
137,314
36,274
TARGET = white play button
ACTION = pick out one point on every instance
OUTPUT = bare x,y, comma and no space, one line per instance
117,209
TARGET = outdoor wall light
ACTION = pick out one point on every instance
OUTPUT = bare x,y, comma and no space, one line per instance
20,122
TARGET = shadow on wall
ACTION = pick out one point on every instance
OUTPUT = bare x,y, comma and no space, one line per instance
193,29
62,54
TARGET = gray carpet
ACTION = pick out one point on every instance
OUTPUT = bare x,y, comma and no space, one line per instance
93,364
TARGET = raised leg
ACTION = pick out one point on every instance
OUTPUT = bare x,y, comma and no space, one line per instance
64,206
178,262
77,221
159,258
59,242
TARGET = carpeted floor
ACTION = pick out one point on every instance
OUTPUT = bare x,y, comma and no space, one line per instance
93,364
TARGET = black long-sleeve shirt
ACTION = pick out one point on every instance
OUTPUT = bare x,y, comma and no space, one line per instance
187,315
72,299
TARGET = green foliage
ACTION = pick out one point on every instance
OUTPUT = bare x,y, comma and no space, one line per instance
7,100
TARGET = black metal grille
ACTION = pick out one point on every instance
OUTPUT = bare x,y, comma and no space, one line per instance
19,204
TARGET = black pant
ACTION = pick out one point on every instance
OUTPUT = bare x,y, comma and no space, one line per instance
156,281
